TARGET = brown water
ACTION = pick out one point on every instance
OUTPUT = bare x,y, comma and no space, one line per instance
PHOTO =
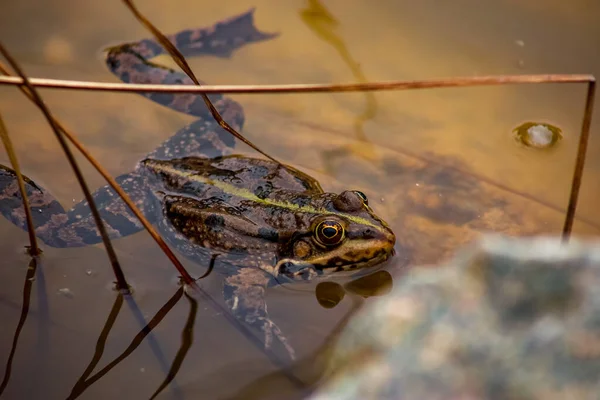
440,165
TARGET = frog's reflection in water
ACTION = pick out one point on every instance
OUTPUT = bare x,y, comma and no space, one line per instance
330,294
301,374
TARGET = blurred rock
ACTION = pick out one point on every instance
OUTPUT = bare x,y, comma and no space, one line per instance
507,318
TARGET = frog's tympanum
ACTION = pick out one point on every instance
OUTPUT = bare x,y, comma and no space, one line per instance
265,223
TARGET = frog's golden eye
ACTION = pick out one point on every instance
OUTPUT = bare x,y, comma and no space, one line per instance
329,233
362,196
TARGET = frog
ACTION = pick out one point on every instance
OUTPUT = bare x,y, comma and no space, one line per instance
257,222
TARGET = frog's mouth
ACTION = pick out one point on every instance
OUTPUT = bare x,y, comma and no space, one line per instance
299,270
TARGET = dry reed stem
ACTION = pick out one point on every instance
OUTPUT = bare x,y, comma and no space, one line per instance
304,87
192,283
111,181
120,277
34,249
182,63
357,87
580,160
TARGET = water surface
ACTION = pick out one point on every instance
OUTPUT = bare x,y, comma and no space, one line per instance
440,165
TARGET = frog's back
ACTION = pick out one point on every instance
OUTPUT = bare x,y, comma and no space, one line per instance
237,175
257,175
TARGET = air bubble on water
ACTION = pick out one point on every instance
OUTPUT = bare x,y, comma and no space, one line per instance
66,292
537,135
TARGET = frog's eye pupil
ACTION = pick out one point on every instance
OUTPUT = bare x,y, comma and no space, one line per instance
362,196
329,233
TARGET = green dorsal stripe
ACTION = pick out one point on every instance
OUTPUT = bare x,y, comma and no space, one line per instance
248,195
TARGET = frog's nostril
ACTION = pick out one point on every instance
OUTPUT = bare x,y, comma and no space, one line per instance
290,268
285,268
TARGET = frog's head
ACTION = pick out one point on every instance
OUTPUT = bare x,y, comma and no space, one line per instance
345,237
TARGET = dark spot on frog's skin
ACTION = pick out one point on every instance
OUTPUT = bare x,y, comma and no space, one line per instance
207,145
113,63
214,221
234,180
301,201
353,254
143,68
361,234
125,77
41,218
183,38
268,234
259,172
151,45
192,186
163,98
334,261
200,110
199,104
87,236
119,222
227,138
262,192
218,201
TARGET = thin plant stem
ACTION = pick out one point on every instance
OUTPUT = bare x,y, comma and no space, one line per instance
34,249
580,160
292,88
120,277
24,313
187,278
187,339
180,60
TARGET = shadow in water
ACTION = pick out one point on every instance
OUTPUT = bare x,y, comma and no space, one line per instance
29,277
187,339
323,24
299,377
100,344
308,370
311,369
85,381
330,294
